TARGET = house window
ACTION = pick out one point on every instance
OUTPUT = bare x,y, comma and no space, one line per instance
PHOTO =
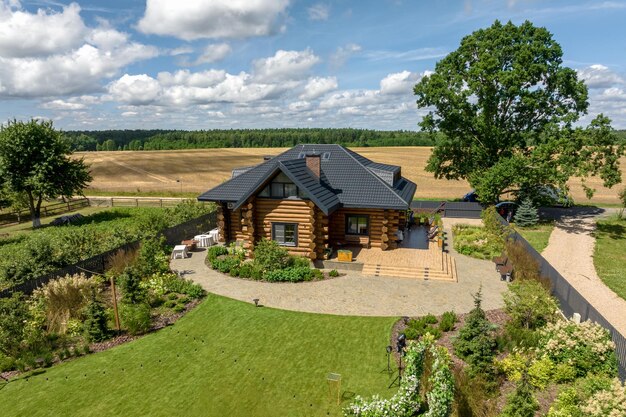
357,224
285,233
281,190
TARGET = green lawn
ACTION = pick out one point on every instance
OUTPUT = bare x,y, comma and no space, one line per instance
538,236
28,226
225,358
610,254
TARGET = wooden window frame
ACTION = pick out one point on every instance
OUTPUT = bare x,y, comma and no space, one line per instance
295,233
366,216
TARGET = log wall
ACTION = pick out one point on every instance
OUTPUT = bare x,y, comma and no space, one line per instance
302,212
383,226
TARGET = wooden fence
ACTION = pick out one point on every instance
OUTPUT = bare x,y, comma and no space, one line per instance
46,211
99,264
135,201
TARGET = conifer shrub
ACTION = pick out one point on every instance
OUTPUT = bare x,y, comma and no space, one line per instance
527,214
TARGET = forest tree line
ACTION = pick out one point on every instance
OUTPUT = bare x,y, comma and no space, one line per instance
133,140
136,140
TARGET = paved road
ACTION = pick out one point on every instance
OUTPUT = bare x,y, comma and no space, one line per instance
355,294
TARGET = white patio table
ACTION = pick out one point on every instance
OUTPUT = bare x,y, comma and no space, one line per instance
215,235
204,241
180,251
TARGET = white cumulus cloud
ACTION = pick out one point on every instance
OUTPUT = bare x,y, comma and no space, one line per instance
599,76
192,19
318,86
343,53
214,53
399,83
285,65
24,34
135,89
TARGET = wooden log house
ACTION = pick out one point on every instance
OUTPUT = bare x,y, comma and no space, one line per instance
312,197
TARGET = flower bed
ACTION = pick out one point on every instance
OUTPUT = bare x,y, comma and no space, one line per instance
271,263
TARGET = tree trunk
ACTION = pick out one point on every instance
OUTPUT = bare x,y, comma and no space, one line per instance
35,210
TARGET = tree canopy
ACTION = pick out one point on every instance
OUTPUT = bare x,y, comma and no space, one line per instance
507,108
35,163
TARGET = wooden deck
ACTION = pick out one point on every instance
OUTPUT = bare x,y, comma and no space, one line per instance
416,258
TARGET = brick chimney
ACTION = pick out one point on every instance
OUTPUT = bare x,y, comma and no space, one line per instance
313,163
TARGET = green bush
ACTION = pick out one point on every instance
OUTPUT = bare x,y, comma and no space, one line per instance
299,262
417,328
175,284
529,305
269,255
130,281
170,304
245,270
521,403
14,315
476,242
214,251
429,319
152,257
333,273
475,343
234,271
95,324
448,320
580,399
289,274
225,263
135,318
317,274
586,346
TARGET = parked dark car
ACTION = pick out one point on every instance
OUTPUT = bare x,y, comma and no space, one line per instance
506,207
471,197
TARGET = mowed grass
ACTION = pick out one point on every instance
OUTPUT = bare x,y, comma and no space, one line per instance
538,236
225,358
194,171
610,254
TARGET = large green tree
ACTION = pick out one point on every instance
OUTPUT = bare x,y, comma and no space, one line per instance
35,162
507,108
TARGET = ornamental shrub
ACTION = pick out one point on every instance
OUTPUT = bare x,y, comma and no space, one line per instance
64,298
333,273
95,320
289,274
475,343
526,215
14,314
521,403
448,319
529,305
587,347
214,251
225,263
269,255
580,399
132,290
135,318
152,257
300,261
245,269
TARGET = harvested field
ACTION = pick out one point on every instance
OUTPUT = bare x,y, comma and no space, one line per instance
200,169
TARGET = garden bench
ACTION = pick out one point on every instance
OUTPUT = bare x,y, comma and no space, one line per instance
363,241
500,261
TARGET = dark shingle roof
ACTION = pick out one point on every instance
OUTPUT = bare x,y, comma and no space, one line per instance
348,180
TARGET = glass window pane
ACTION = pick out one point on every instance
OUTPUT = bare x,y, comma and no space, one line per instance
352,225
290,233
265,192
362,225
279,233
291,190
277,189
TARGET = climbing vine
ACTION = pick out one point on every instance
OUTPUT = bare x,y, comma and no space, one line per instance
406,402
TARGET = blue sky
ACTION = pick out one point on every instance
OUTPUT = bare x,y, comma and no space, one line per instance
270,63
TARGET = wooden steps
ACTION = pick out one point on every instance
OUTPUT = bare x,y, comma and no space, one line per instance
446,272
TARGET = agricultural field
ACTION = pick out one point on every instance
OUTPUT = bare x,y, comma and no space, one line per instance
195,171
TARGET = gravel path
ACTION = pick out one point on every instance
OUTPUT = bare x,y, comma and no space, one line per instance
570,251
356,294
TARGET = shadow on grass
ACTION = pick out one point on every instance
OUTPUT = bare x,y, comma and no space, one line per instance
612,230
103,217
